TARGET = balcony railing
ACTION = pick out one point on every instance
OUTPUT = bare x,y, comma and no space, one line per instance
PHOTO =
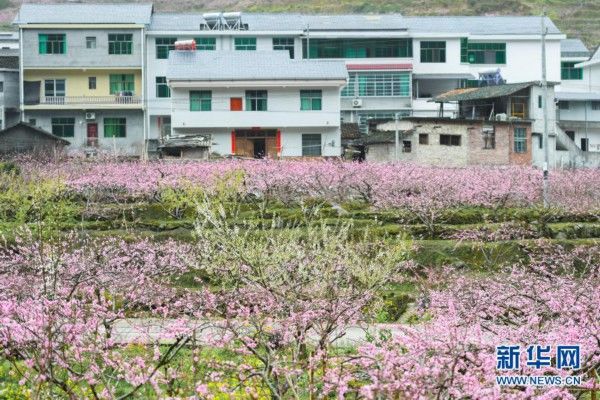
101,100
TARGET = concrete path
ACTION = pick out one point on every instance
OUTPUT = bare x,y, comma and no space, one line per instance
149,330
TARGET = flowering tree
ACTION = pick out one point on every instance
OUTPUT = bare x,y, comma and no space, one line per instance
287,295
552,298
59,304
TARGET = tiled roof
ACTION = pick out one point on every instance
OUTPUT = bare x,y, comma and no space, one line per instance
250,65
474,25
285,22
36,130
487,92
573,48
480,25
84,14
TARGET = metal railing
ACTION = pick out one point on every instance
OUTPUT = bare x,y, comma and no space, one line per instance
76,100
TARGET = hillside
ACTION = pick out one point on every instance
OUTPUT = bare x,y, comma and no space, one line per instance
577,18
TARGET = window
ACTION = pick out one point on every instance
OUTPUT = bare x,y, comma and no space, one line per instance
489,138
209,43
596,105
571,135
92,82
540,104
90,42
520,140
563,105
284,43
358,48
63,127
311,100
200,100
482,53
52,43
245,43
569,72
236,104
423,138
54,87
121,83
378,84
585,144
406,146
120,43
162,89
433,52
115,127
32,121
1,87
450,140
256,100
311,145
163,45
540,141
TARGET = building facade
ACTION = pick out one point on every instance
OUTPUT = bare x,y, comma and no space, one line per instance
99,74
82,73
273,107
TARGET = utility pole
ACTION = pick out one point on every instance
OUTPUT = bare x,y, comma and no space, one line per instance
396,137
545,111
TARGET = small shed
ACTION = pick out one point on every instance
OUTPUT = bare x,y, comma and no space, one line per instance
195,147
26,138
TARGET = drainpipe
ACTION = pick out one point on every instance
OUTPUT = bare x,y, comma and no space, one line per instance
21,77
145,111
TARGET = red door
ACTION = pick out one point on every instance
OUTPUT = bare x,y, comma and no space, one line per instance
235,104
92,134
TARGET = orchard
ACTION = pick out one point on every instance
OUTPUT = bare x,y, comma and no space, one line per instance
293,280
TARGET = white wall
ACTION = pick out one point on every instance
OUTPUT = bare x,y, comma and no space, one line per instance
283,105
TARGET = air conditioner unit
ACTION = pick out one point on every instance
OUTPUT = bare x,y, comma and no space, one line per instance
356,102
90,116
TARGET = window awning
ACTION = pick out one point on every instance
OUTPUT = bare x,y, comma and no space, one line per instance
379,67
444,76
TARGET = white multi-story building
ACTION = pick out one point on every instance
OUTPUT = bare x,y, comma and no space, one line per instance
257,104
578,111
395,64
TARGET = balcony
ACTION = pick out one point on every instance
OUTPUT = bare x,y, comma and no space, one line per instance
248,119
84,102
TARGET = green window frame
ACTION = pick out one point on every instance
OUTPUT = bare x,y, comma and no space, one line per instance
121,83
311,144
206,43
256,100
433,52
120,43
200,100
162,88
358,48
311,100
482,52
63,127
115,127
569,72
284,43
52,43
245,43
520,140
378,84
163,46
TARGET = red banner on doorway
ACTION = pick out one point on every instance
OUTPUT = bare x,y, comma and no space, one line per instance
278,142
232,142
